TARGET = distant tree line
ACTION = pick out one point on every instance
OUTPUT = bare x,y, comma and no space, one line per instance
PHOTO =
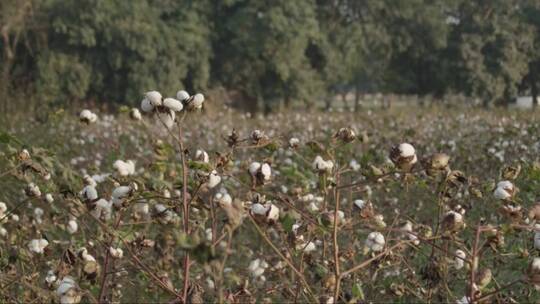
271,52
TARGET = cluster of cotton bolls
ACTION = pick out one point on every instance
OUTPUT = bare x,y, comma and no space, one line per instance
167,108
124,168
88,116
262,210
260,173
314,202
38,245
322,166
375,242
257,268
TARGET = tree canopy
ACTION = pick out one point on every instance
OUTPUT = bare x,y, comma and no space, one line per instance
271,52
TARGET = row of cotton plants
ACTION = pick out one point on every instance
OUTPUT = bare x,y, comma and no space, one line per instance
172,202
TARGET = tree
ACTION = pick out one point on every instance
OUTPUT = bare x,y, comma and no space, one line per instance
260,50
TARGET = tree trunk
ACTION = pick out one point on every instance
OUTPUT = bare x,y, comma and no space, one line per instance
534,92
356,98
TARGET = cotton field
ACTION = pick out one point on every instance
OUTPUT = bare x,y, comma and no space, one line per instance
170,202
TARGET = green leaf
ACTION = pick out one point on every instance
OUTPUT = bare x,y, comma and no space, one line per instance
358,292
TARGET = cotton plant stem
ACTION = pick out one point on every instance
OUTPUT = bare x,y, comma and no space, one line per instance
285,259
335,243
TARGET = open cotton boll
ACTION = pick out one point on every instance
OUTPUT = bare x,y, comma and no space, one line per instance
406,150
213,179
3,209
375,241
38,245
135,114
72,226
537,238
32,190
202,156
146,106
294,142
198,100
49,198
124,168
173,104
254,168
321,166
359,203
459,259
266,171
182,95
87,116
223,199
505,190
273,213
102,209
68,291
167,118
50,278
116,253
155,98
258,209
89,193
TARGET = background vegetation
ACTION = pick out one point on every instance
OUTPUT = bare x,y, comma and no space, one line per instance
267,53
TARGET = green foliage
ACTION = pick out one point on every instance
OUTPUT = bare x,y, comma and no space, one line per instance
272,53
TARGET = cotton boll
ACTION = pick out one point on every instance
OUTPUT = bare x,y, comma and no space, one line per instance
202,156
51,278
375,241
223,199
322,166
89,193
406,150
38,245
258,209
273,213
155,98
182,95
49,198
213,179
72,226
266,171
87,116
135,114
3,209
294,142
173,104
505,190
116,253
254,168
146,106
459,260
198,100
102,209
32,190
68,292
167,118
359,203
124,168
537,239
